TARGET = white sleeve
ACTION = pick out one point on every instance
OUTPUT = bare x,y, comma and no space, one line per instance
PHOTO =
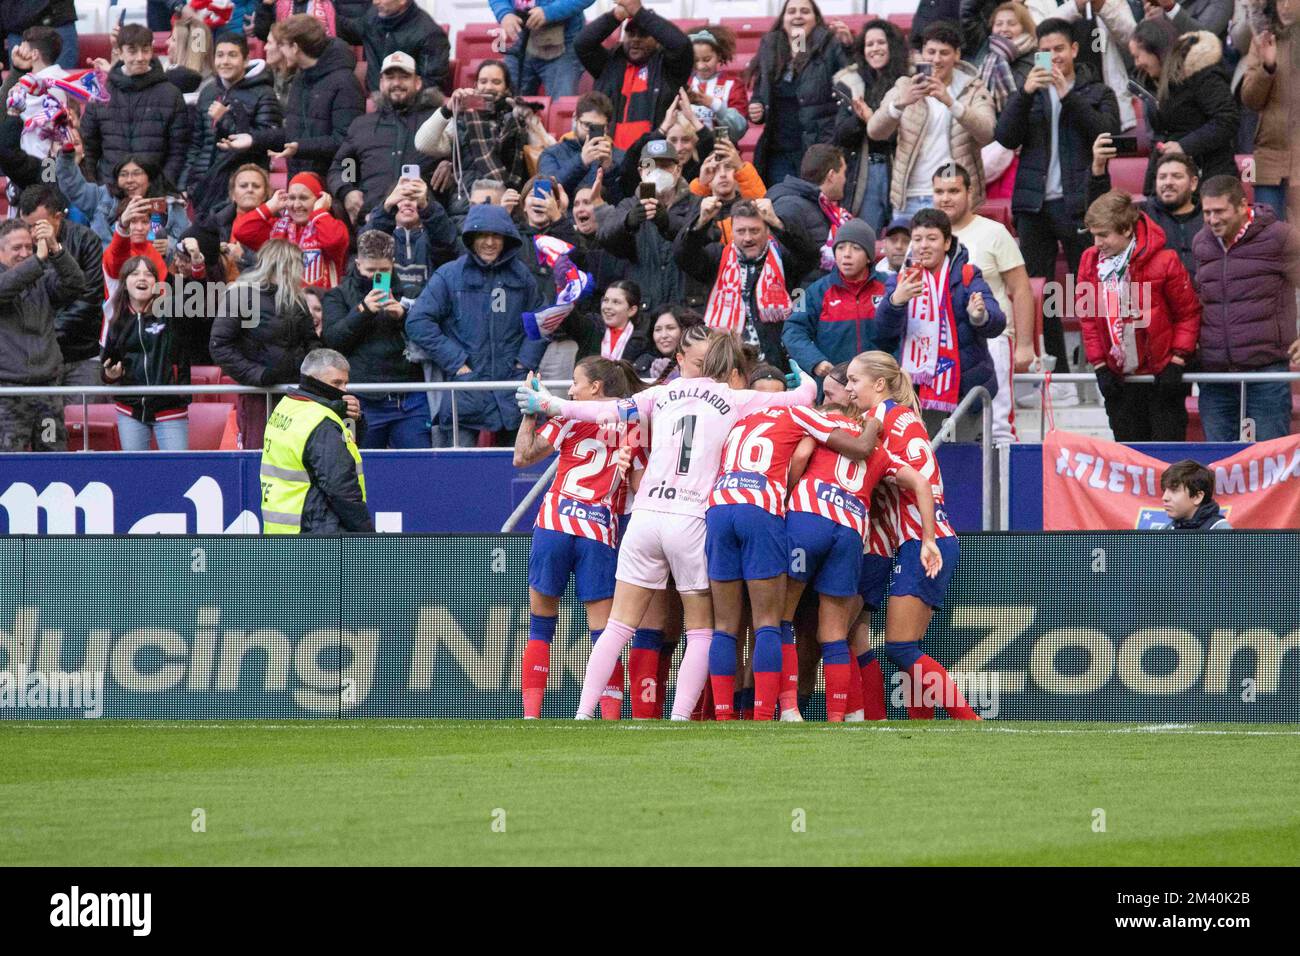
749,400
608,412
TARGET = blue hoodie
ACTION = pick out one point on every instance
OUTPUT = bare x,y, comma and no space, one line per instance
471,313
569,11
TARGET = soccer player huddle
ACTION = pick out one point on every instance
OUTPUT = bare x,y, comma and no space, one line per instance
708,505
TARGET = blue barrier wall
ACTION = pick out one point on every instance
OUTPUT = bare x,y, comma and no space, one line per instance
215,492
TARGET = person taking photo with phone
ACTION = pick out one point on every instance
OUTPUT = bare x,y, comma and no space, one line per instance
574,160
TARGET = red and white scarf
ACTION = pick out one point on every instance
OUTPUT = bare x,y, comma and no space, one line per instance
1112,273
317,269
726,306
614,342
322,10
930,354
837,216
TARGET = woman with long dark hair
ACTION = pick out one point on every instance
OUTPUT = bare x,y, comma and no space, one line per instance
131,177
880,57
793,89
659,361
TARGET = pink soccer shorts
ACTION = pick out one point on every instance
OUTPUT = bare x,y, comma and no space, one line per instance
658,544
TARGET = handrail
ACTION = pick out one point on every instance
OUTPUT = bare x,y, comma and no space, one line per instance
538,487
382,388
977,394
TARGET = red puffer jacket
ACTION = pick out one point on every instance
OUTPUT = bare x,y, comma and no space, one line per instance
1159,287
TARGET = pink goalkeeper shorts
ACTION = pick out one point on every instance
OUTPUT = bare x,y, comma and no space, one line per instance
658,544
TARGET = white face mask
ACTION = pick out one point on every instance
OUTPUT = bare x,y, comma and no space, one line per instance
662,178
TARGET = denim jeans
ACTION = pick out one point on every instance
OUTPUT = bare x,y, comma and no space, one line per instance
464,437
914,205
875,200
781,165
1267,403
397,421
68,34
1274,196
172,435
559,76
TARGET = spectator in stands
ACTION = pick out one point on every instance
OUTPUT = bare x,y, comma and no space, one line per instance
793,90
486,124
747,272
302,215
880,60
574,160
837,317
1193,15
640,76
190,55
315,297
393,26
249,186
1010,42
810,203
659,362
264,332
133,176
1113,27
641,231
79,322
598,262
541,34
37,278
685,131
1175,207
1196,113
946,116
424,235
930,12
238,120
1271,87
944,364
58,15
897,240
144,117
1138,315
1054,120
328,12
367,325
31,84
992,250
469,319
136,233
324,97
1247,270
713,47
620,311
1188,488
378,144
161,14
145,346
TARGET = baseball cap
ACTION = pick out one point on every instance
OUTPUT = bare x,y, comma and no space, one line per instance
659,149
398,61
898,223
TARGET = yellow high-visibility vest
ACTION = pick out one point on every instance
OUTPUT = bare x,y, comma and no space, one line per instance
285,481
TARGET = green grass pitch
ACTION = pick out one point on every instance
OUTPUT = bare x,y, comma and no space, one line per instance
440,792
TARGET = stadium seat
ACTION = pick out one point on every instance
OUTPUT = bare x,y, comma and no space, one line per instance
160,41
561,118
1128,173
93,46
102,432
902,20
749,31
691,24
475,40
998,210
749,142
207,375
467,70
854,21
740,62
208,421
1195,432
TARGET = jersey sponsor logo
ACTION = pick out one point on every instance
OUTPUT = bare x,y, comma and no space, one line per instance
582,511
836,496
741,481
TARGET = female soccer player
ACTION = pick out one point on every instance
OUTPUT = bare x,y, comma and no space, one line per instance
577,528
691,418
880,388
746,540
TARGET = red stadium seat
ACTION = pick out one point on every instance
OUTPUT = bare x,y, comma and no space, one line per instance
467,70
477,40
901,20
998,210
749,31
160,41
748,143
208,422
740,62
1128,173
1194,430
102,430
854,21
93,46
561,118
207,375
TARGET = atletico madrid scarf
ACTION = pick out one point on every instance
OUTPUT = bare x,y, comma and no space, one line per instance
836,215
930,354
726,306
1112,272
571,284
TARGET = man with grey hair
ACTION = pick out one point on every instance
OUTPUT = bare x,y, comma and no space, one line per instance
311,475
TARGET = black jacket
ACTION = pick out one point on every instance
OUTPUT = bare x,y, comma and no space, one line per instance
420,250
1199,113
252,108
667,71
377,146
145,116
323,101
1088,110
79,323
152,352
1208,516
412,31
795,201
375,345
932,11
647,245
17,15
334,503
265,352
813,85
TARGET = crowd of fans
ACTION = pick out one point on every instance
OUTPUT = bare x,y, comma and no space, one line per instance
432,233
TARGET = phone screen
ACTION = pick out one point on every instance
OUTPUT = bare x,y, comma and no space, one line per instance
924,69
1125,145
383,282
542,188
645,191
1043,61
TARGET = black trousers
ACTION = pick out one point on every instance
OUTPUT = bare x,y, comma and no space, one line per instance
1148,413
1038,234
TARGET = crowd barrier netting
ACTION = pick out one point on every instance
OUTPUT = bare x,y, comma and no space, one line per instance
1104,626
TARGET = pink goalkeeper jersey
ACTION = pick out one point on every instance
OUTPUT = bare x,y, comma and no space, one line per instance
690,419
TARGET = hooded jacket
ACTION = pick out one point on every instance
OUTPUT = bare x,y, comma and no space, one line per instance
253,109
1198,112
1087,111
152,351
378,145
1160,287
972,340
30,293
323,101
412,31
471,313
374,344
145,116
1248,295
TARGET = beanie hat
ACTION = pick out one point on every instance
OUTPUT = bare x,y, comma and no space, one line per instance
859,233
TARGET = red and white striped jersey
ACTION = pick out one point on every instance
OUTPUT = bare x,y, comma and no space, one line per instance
587,494
882,536
904,436
756,456
840,488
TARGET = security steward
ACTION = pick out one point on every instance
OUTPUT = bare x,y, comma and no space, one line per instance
312,482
